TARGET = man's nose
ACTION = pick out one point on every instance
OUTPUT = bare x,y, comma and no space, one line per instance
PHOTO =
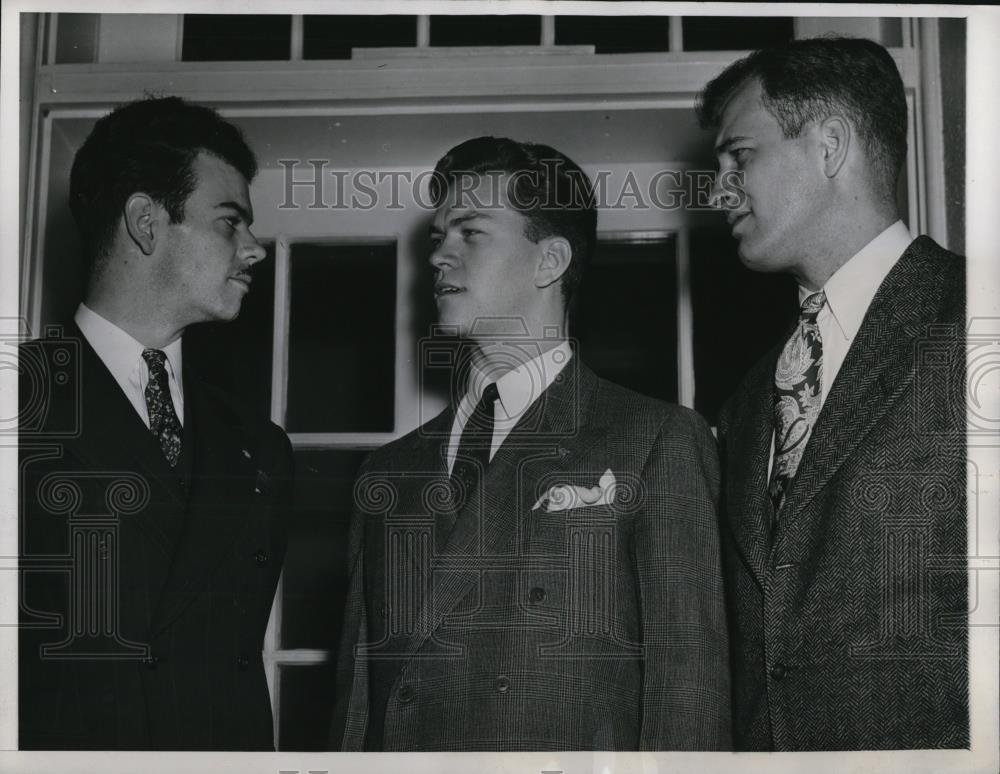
252,251
725,194
442,255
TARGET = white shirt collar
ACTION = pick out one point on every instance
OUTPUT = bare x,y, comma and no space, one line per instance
521,386
850,289
122,355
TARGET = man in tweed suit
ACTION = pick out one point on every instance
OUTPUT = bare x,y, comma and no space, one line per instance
537,567
843,450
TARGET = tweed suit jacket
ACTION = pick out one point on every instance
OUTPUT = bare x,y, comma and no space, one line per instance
848,617
145,590
596,627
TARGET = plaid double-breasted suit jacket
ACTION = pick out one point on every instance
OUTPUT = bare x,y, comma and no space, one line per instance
596,627
848,614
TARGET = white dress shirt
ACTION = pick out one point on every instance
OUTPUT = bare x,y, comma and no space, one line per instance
123,357
849,292
518,389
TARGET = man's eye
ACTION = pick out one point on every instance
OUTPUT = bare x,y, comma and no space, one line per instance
232,221
740,155
470,232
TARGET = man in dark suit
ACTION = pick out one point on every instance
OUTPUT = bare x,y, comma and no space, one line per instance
843,450
537,567
152,507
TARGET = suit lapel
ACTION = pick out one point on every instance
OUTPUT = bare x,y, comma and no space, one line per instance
113,439
224,480
113,435
877,369
420,467
553,434
749,451
194,529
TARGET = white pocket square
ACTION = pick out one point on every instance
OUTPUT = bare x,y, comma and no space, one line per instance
562,497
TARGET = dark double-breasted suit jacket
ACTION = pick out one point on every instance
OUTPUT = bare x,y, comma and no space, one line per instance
145,590
848,616
597,627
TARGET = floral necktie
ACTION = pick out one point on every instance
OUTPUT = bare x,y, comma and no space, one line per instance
798,377
163,422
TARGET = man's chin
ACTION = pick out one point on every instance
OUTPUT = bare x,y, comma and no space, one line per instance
451,327
754,259
227,313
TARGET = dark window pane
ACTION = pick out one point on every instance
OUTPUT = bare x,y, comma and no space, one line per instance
236,356
486,30
333,37
627,316
735,33
614,34
210,37
892,31
76,38
307,695
63,265
738,316
342,343
315,570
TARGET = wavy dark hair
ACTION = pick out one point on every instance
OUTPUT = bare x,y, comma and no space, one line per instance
150,146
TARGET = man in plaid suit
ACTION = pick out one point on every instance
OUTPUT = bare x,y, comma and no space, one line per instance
537,567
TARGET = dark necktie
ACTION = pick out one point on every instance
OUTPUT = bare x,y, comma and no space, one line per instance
798,379
472,458
163,422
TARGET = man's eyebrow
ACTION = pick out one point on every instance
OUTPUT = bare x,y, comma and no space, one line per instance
728,143
244,213
458,220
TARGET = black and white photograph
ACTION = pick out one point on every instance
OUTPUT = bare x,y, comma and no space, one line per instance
586,386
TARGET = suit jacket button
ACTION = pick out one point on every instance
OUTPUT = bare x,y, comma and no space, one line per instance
536,595
242,663
778,671
406,694
502,684
260,557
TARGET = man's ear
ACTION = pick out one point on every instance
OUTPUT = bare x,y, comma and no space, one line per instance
835,141
141,221
557,254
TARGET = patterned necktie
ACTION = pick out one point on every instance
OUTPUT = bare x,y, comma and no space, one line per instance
163,422
798,377
471,460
